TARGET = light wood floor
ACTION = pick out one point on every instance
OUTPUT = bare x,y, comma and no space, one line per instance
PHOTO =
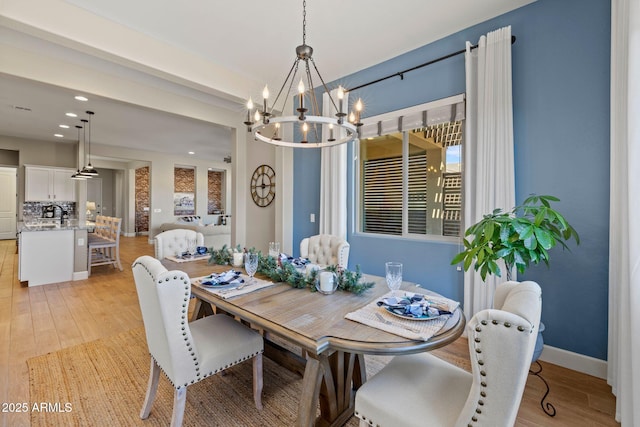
42,319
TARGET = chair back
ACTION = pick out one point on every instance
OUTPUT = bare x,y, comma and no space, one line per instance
325,249
501,343
164,303
171,242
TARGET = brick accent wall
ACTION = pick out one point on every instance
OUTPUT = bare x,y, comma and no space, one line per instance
142,199
184,180
214,192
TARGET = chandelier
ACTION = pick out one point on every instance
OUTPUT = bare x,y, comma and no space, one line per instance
267,127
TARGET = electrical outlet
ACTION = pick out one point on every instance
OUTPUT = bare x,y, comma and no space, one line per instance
81,242
458,268
157,210
312,218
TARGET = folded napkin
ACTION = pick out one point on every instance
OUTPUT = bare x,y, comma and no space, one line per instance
415,305
227,278
297,262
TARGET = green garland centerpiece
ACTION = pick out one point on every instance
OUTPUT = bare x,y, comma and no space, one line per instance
348,281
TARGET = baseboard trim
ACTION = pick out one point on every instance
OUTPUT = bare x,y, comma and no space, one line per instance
575,361
80,275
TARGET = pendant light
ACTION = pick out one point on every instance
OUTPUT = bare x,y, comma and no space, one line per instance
89,170
78,175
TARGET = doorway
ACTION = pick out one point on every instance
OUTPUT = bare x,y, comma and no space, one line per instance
8,203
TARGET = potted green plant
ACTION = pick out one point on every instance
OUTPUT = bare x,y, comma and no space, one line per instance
519,237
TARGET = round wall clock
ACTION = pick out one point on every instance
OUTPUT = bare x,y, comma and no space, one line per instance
263,185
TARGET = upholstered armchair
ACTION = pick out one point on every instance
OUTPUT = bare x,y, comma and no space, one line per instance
188,352
420,389
171,242
325,249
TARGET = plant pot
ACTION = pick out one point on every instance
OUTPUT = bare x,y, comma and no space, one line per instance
537,350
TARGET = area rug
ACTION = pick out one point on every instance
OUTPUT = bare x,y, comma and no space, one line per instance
104,382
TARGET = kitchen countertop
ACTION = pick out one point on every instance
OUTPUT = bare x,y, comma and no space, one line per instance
71,224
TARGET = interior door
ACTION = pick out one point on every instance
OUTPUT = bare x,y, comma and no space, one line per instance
8,197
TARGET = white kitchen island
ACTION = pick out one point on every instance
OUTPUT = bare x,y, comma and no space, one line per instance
46,254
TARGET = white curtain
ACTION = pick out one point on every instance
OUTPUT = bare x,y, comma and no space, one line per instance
488,158
333,178
623,365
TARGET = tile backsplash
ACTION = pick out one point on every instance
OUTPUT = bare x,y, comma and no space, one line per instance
34,209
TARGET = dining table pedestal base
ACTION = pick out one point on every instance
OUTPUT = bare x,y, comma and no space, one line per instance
331,380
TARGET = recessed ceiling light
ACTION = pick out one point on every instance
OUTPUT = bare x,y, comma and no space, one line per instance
57,135
71,115
64,126
81,98
191,152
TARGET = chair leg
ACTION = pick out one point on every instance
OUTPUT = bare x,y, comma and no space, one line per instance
152,387
179,401
257,381
118,257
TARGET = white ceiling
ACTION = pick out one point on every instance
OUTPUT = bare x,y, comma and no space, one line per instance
254,40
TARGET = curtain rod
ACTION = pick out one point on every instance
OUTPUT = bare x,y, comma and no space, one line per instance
401,73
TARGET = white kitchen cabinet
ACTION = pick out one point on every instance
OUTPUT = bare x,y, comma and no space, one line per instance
46,256
49,184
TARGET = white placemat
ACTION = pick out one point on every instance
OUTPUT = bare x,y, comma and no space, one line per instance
188,259
377,317
230,292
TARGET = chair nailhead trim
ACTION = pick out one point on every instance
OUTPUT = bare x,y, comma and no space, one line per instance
484,322
483,394
507,324
481,402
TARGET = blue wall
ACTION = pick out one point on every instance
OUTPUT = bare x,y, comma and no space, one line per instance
561,129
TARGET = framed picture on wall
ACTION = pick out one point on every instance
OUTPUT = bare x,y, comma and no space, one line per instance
184,204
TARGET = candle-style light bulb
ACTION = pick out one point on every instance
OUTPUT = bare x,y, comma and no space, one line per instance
305,129
248,122
256,116
340,101
265,113
331,132
301,87
358,108
340,93
352,117
277,131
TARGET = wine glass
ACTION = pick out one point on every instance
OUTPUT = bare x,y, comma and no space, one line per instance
393,276
192,247
251,264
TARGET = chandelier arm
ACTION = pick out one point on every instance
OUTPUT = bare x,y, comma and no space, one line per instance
324,85
313,100
293,70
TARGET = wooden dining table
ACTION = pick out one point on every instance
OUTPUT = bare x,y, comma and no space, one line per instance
332,348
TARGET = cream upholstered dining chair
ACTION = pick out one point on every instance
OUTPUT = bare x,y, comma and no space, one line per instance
188,352
325,249
423,390
172,242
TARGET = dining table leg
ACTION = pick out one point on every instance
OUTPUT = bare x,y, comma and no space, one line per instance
331,381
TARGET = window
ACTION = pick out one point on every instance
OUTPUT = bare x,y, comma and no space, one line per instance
410,171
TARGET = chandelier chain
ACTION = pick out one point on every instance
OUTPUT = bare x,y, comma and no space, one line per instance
304,22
